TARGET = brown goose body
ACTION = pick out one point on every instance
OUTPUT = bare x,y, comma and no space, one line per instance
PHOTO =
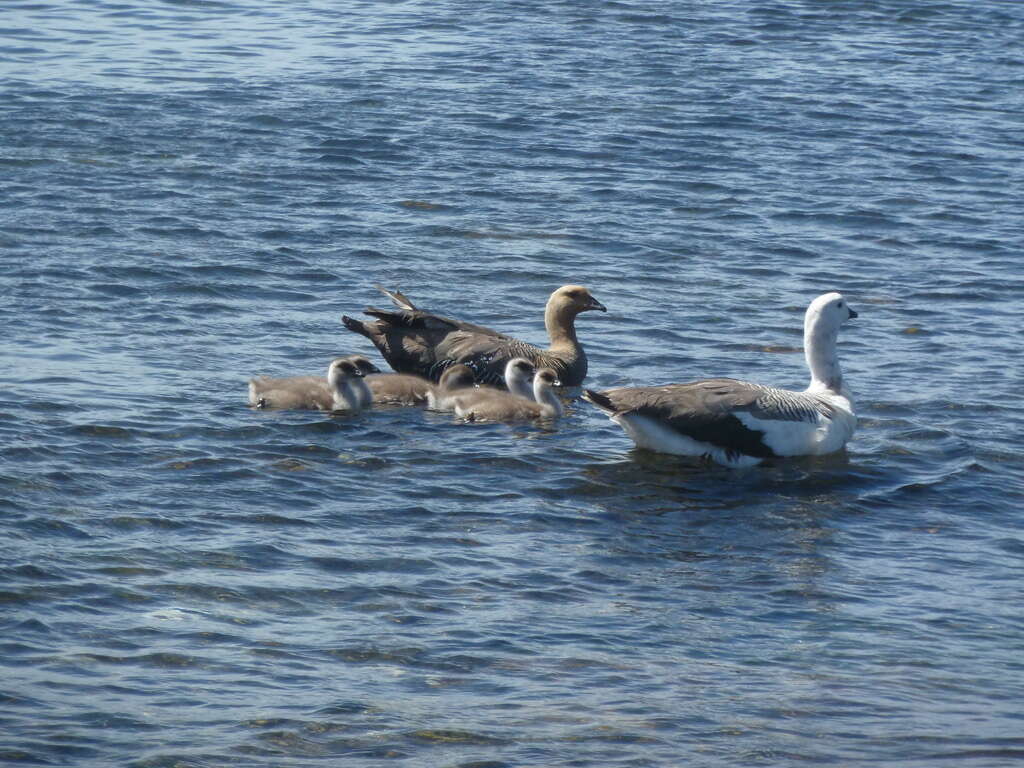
416,341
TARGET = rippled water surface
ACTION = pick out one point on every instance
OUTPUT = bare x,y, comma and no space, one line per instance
194,192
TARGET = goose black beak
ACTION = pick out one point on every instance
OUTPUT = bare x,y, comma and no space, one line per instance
852,313
595,304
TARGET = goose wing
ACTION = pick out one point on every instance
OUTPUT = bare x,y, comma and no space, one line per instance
413,317
714,399
486,355
729,414
415,341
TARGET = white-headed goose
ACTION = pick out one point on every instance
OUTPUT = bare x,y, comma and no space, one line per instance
416,341
738,423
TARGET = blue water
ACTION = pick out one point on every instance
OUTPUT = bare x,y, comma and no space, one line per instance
194,192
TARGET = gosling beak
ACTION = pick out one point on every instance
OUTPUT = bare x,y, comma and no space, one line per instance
373,369
595,304
852,313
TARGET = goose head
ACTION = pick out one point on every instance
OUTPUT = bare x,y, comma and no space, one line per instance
827,312
362,362
457,377
518,373
821,332
545,396
545,379
573,299
341,372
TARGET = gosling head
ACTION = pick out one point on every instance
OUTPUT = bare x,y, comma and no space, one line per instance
457,377
547,377
341,371
362,362
518,373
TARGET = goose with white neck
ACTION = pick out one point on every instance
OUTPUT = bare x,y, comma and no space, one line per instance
342,389
739,423
503,406
416,341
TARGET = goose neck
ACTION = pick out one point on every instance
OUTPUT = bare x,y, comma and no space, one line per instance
550,403
560,322
822,358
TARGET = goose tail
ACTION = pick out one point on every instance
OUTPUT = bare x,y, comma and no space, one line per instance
355,325
400,299
599,399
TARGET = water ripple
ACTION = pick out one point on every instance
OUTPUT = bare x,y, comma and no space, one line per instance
196,191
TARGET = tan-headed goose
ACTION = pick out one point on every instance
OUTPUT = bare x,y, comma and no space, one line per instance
502,406
416,341
457,379
738,423
343,389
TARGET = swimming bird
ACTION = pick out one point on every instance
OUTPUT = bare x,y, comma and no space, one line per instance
738,423
416,341
342,389
519,373
454,380
392,388
496,405
368,369
518,379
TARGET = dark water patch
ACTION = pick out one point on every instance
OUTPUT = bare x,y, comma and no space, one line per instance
275,520
215,470
139,523
156,660
497,235
423,205
447,737
380,565
52,527
31,572
98,430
